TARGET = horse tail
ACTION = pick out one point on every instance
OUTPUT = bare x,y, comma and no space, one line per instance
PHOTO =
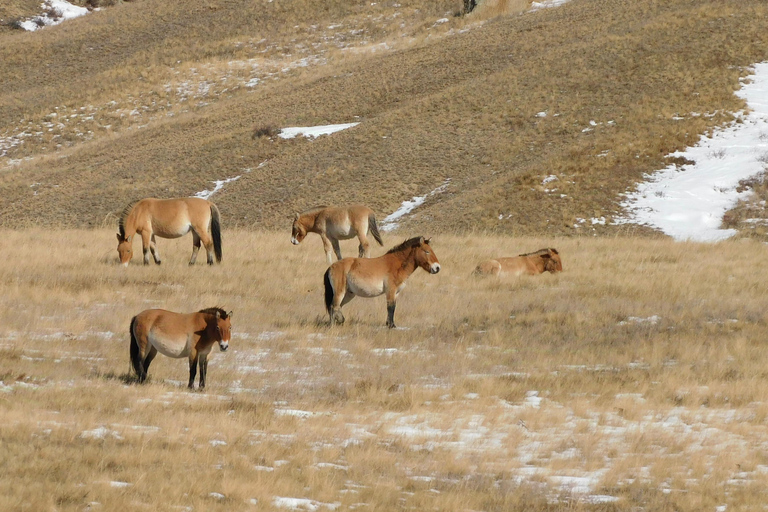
328,291
138,365
374,228
216,231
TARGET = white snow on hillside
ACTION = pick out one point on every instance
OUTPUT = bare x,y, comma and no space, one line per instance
54,12
391,221
217,185
688,202
312,132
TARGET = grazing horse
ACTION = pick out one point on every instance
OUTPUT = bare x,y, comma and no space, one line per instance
334,224
169,218
178,335
532,263
372,277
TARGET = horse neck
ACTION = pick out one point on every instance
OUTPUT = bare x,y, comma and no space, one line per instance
205,321
308,220
406,261
131,221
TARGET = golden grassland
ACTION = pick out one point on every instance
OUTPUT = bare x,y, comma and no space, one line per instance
157,98
636,375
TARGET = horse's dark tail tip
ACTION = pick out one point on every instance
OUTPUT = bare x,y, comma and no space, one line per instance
216,232
328,291
374,228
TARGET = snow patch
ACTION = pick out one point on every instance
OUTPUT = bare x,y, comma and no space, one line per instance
55,12
688,202
217,185
390,222
312,132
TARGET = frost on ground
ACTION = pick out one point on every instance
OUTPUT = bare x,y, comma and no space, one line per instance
688,202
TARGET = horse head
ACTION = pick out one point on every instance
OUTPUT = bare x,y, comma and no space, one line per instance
425,256
552,261
124,248
298,232
223,328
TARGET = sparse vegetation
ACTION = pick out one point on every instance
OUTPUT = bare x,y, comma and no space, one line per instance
628,372
596,92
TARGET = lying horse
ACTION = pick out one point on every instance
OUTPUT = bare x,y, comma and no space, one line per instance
372,277
334,224
178,335
169,218
532,263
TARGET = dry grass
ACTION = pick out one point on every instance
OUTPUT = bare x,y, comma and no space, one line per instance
647,357
165,97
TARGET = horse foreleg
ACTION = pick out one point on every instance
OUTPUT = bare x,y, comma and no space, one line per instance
195,247
153,248
327,247
336,247
391,301
203,370
193,359
146,240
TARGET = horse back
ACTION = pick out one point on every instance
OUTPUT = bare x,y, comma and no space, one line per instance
174,217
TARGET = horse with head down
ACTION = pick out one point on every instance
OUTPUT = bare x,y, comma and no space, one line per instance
532,263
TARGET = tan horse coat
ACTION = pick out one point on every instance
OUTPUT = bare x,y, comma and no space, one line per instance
170,218
543,260
178,335
351,277
334,224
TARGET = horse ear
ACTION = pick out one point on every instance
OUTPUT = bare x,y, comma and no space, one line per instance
421,240
218,315
428,240
296,216
129,239
229,315
119,237
546,255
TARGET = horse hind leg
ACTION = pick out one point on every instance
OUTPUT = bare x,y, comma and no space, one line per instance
146,242
195,247
148,359
208,243
336,247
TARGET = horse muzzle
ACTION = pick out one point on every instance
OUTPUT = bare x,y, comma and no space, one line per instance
223,346
434,268
294,241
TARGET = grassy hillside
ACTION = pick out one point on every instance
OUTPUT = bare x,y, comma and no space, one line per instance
157,98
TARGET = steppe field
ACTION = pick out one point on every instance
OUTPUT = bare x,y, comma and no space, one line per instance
635,380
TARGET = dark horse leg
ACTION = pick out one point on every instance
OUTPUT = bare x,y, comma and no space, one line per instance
391,314
148,360
192,371
203,363
153,249
195,247
336,247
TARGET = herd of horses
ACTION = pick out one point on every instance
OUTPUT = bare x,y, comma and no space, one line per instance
193,335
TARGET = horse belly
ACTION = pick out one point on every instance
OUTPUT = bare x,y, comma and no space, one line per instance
365,287
342,230
169,346
170,230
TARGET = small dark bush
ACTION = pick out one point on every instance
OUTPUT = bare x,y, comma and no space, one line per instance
265,131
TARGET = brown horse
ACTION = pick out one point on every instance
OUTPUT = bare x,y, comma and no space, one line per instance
532,263
169,218
178,335
386,274
334,224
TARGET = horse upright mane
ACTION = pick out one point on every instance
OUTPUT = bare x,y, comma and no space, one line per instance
123,216
212,311
314,209
411,242
540,252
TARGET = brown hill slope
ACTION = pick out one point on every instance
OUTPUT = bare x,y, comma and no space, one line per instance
453,103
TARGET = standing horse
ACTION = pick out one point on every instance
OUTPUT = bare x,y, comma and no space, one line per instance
334,224
372,277
169,218
178,335
532,263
